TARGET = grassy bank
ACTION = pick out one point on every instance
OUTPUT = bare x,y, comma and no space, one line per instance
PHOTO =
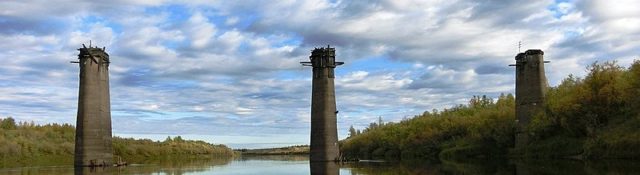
594,117
24,143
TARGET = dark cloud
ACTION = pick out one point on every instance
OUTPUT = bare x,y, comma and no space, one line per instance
507,13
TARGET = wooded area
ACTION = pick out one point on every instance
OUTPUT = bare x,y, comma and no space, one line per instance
594,117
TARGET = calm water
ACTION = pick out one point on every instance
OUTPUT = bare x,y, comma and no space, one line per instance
265,165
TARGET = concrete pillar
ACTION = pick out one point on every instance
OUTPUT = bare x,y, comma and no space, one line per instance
324,168
93,125
324,133
531,84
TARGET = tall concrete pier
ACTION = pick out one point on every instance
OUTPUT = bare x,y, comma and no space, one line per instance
531,84
324,133
93,125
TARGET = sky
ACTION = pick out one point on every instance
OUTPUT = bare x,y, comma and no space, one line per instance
228,71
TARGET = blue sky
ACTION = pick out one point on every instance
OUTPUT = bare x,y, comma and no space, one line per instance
228,71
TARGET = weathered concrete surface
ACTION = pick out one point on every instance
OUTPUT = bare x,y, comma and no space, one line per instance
93,125
324,133
531,84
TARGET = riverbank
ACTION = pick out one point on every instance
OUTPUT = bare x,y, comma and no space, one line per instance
22,143
595,117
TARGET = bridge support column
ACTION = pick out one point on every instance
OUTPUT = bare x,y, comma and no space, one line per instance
531,84
93,125
324,133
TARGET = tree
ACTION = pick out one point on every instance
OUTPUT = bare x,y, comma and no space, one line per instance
178,139
480,101
8,123
373,125
352,131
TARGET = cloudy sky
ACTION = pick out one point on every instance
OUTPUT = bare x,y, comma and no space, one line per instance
228,71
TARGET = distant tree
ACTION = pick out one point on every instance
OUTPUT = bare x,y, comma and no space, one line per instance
358,132
352,131
406,118
178,139
380,123
480,101
372,125
168,139
8,123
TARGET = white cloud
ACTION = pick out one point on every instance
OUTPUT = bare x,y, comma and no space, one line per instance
361,80
200,30
98,33
244,111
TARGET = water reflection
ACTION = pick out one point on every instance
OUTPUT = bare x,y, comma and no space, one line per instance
92,170
519,167
525,167
173,165
265,165
324,168
166,165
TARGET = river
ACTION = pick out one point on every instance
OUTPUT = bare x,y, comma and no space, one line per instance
266,165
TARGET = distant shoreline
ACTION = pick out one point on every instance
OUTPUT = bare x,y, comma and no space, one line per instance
290,150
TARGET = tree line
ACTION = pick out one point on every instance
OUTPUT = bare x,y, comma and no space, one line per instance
26,139
597,116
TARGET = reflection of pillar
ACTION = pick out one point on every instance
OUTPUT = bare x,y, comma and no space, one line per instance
521,169
94,170
324,168
531,84
93,125
324,133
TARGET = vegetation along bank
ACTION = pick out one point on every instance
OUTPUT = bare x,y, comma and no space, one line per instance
594,117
